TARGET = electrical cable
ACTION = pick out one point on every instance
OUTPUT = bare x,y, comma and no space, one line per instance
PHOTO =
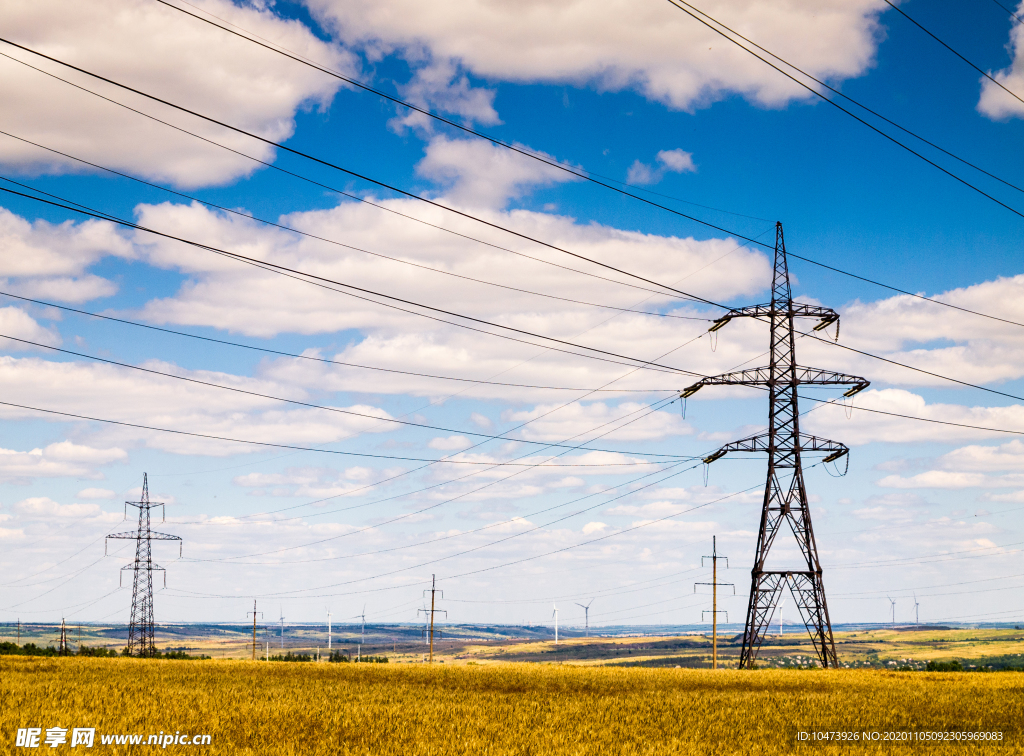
965,60
903,291
291,446
858,103
309,405
251,217
375,526
335,190
323,282
390,187
1014,15
684,6
322,360
583,174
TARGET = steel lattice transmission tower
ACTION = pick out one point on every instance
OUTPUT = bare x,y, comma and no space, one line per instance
140,633
785,496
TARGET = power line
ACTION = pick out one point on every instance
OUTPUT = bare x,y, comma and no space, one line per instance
382,184
310,405
903,291
323,360
585,175
321,282
965,60
856,102
1014,15
331,188
308,235
210,436
684,7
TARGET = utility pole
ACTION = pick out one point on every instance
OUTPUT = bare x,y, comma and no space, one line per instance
432,611
254,613
141,640
62,648
328,632
785,495
555,615
19,631
586,615
714,598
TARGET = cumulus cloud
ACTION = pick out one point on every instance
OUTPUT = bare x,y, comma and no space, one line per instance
50,260
675,161
313,482
865,427
441,86
995,102
480,174
60,460
582,421
158,50
615,44
121,394
452,443
96,493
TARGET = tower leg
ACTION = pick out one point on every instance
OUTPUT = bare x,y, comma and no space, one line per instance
764,597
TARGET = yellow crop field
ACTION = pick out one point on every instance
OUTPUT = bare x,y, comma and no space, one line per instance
443,709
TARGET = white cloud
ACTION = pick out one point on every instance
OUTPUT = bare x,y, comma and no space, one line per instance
866,427
49,260
19,324
162,51
675,161
627,421
1008,456
59,460
451,443
124,395
481,174
42,507
313,482
615,44
994,101
441,86
594,527
96,493
481,421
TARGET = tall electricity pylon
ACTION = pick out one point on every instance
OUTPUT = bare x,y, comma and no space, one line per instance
140,633
785,496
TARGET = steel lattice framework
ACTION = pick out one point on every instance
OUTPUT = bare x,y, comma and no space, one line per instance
785,496
141,633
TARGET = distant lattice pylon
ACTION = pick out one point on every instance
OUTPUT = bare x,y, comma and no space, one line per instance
141,632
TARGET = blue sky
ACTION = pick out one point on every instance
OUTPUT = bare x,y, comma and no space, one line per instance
621,90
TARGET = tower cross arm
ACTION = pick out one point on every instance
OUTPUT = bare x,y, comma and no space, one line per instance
763,376
130,535
762,443
162,536
825,315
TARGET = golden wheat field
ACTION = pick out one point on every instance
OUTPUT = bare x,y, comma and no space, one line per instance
404,710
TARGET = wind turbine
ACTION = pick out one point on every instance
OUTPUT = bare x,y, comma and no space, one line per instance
282,627
893,602
555,615
586,614
362,632
917,616
328,630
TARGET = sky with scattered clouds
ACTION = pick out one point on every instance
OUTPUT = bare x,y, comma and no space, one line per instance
392,349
